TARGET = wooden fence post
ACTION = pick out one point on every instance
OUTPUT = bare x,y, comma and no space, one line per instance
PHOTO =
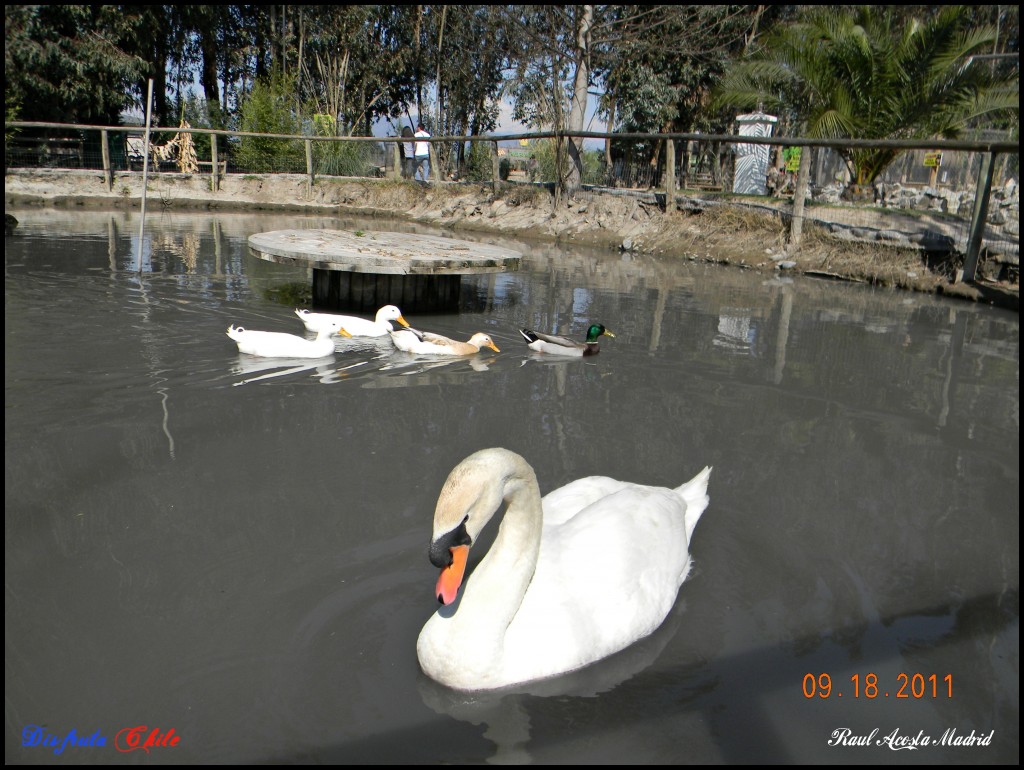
435,171
670,175
495,169
796,225
309,167
214,180
396,172
108,174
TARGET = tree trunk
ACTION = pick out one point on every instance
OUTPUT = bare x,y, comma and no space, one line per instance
578,106
419,74
796,227
608,140
208,46
440,50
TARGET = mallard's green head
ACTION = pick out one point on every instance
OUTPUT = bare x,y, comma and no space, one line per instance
595,331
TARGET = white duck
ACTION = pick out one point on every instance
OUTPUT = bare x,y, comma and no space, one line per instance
426,344
281,345
570,579
355,326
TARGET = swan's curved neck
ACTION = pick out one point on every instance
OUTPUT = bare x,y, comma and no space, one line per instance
491,598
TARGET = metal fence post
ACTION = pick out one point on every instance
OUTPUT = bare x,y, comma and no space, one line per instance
984,190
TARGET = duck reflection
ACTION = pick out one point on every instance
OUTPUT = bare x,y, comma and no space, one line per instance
452,369
324,367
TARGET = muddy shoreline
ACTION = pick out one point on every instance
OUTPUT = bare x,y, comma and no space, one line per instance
751,239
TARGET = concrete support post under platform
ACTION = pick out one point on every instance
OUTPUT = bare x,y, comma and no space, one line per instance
359,272
367,292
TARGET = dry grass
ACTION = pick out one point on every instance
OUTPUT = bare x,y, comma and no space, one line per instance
873,263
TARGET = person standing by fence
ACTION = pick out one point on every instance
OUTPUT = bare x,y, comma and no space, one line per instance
408,154
422,155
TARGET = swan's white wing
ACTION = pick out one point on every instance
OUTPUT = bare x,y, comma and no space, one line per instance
564,503
605,578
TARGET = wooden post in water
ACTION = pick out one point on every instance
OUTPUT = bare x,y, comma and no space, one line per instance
145,169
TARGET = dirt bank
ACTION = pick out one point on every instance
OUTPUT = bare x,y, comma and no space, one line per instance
695,229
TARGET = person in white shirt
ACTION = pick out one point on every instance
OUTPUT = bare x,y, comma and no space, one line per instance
422,155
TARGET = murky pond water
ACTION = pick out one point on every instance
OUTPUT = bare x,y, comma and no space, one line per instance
236,549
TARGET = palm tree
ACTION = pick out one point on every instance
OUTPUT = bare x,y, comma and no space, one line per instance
860,73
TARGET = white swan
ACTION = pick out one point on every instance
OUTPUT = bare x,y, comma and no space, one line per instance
355,326
281,345
570,579
427,344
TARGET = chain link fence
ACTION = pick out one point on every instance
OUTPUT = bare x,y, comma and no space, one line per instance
926,198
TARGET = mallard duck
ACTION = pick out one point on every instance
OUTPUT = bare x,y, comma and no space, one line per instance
410,340
354,325
570,579
564,346
281,345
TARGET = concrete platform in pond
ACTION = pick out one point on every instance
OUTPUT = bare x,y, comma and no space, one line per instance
361,271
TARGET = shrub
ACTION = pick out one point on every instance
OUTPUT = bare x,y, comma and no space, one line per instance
339,158
270,109
478,163
547,170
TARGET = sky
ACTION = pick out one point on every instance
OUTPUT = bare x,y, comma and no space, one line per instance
508,125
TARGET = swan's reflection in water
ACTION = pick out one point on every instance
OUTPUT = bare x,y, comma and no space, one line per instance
505,714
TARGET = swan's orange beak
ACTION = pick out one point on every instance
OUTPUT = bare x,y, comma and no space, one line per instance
493,347
402,321
344,333
451,576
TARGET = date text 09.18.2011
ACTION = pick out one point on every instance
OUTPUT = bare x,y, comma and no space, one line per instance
868,686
